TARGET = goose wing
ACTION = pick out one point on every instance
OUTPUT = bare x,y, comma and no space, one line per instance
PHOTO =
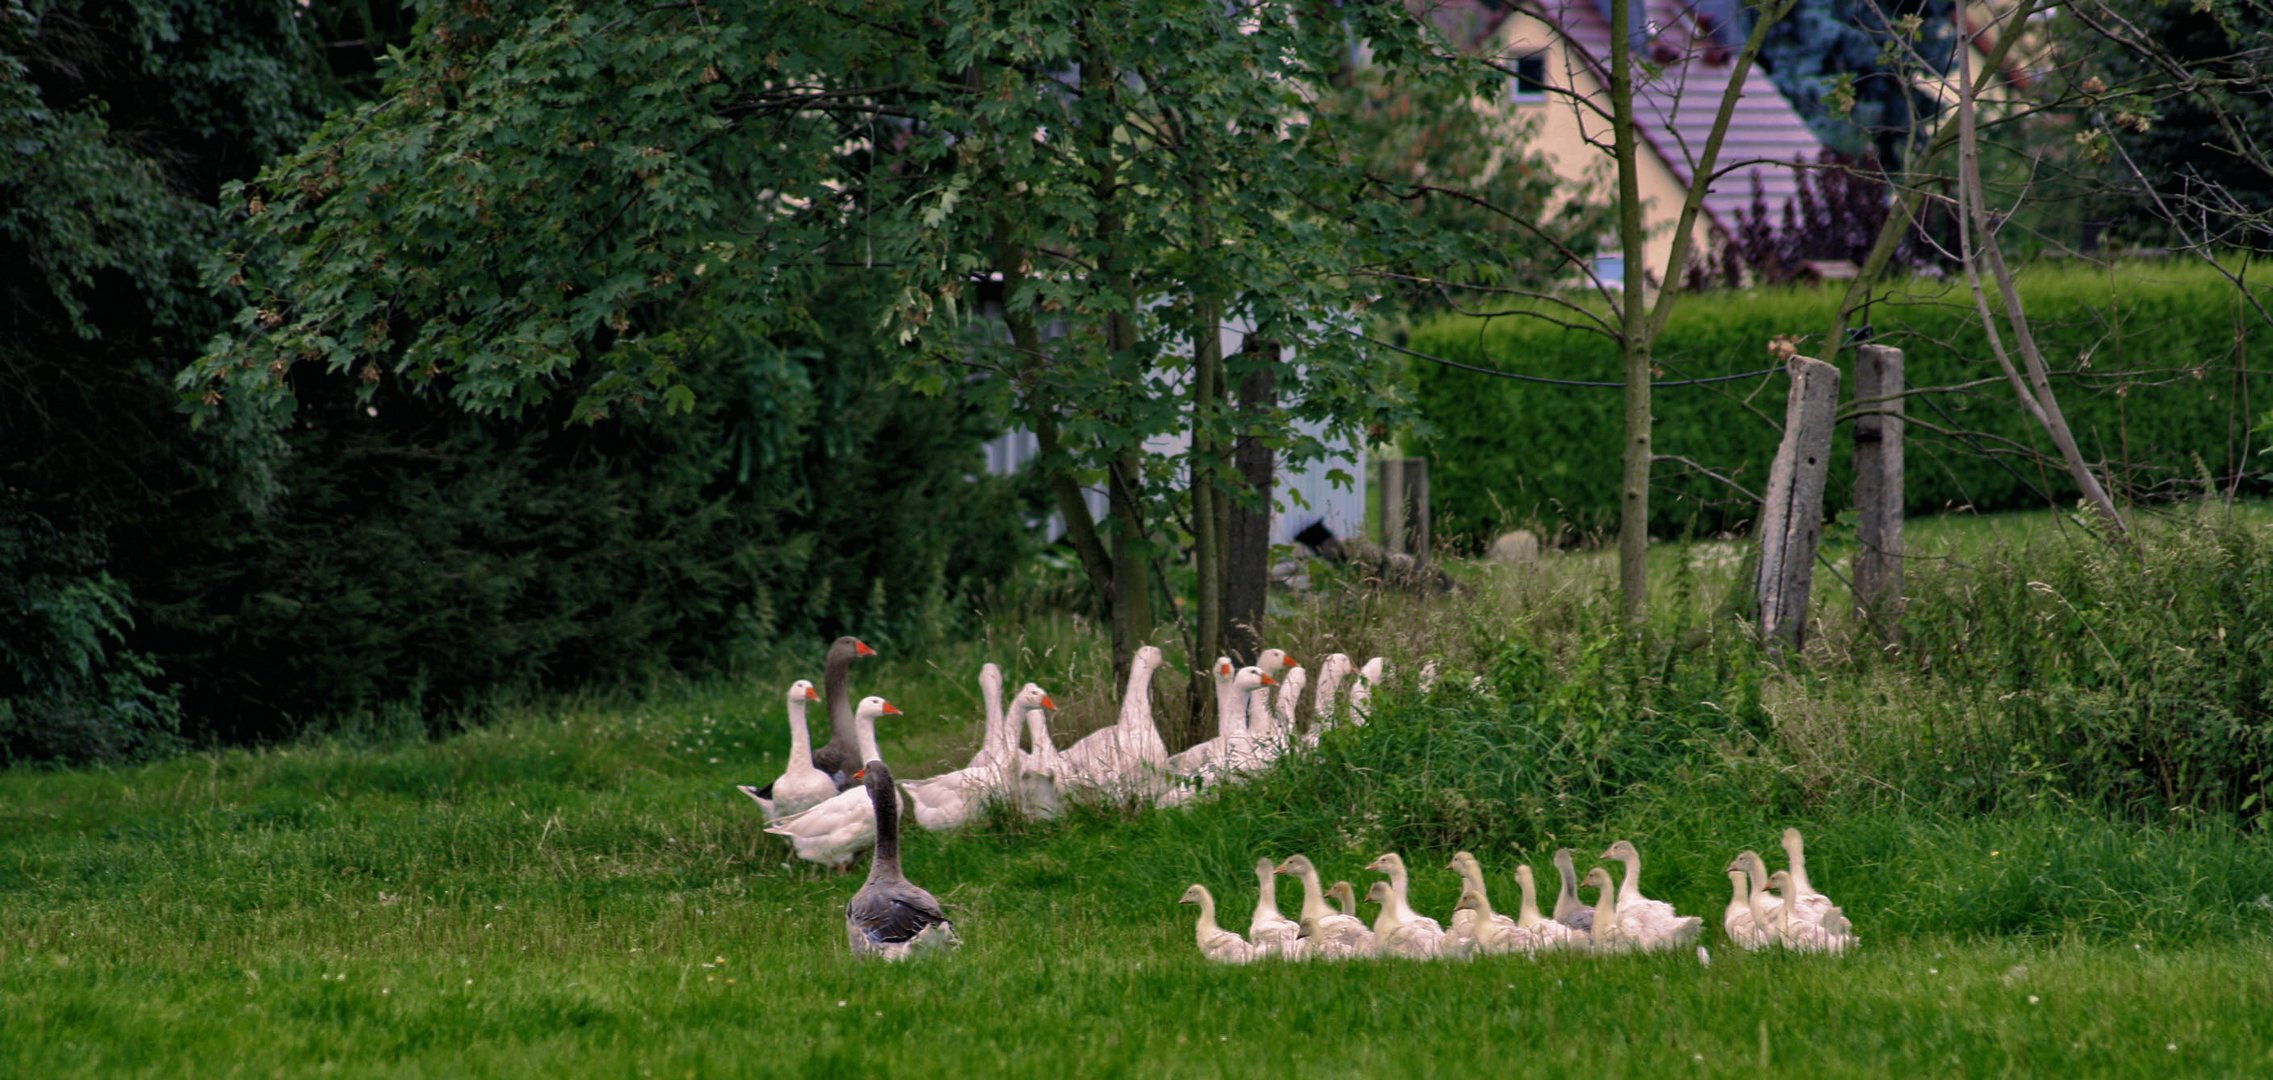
892,916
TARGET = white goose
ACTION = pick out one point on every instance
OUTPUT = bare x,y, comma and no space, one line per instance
1217,943
835,831
1736,920
1832,935
1492,933
999,738
1233,689
1649,924
1396,934
800,785
1465,932
1756,927
1398,929
1804,905
1128,758
1361,692
1607,936
1275,933
951,800
1284,703
1330,935
1266,736
1037,785
1535,931
1324,703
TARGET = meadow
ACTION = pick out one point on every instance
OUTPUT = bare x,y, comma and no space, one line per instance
575,887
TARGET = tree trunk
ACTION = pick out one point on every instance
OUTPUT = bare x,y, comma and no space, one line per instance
1634,480
1978,241
1248,560
1132,550
1207,522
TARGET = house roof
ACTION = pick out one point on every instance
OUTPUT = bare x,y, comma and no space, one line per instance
1677,107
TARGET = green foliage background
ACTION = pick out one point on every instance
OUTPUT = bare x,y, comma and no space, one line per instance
2149,362
387,555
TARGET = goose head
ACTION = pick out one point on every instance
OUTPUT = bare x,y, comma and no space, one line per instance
1197,894
1342,894
1460,860
1251,679
1598,878
1274,662
858,647
1739,865
1792,843
802,691
1378,894
1469,901
1781,881
1031,697
1297,866
872,707
1389,863
1224,671
1623,851
1147,660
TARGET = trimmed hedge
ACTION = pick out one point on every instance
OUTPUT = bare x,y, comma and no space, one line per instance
2150,361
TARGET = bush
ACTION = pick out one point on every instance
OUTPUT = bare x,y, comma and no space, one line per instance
2149,363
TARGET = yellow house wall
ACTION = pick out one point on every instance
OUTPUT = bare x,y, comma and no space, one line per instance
1563,128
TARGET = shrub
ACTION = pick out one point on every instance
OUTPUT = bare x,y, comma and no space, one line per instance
2149,361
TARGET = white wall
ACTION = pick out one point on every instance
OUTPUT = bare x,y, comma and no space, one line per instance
1343,509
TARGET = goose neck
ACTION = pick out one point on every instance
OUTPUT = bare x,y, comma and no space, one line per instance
1230,711
1566,890
865,732
1796,851
885,865
1314,905
836,687
998,737
1136,704
1528,913
1630,889
800,740
1207,928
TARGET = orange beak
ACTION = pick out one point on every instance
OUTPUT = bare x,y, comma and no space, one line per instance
860,648
861,775
1268,681
891,709
1048,704
1292,662
812,694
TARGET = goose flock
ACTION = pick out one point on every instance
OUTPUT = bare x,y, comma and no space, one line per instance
1779,910
837,801
834,802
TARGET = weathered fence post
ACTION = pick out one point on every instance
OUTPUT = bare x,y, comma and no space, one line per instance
1404,487
1791,521
1878,487
1393,504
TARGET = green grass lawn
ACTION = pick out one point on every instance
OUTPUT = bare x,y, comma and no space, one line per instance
577,889
576,893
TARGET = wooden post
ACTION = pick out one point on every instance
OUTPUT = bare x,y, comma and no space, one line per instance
1791,520
1878,487
1393,504
1417,485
